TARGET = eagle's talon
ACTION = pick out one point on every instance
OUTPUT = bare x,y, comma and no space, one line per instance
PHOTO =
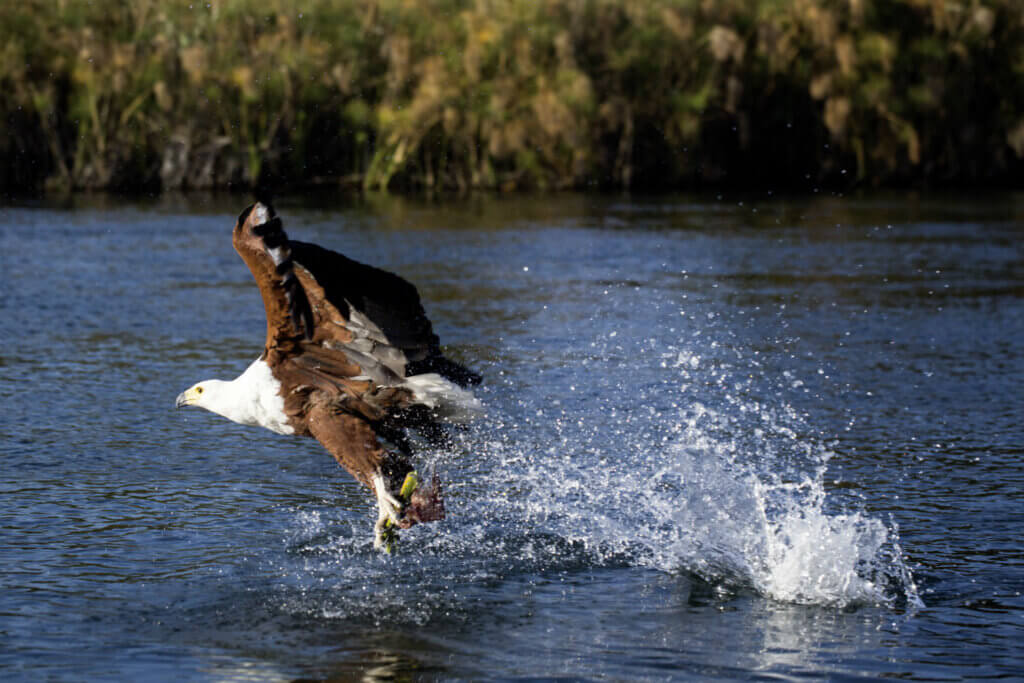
388,507
384,536
389,513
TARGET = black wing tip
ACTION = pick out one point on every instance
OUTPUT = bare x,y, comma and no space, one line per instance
263,193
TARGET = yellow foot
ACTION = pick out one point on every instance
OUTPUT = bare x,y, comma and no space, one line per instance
385,531
411,483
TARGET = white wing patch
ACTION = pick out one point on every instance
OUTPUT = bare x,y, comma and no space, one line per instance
261,213
447,399
279,254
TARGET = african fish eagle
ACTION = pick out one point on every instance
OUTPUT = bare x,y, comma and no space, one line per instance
350,358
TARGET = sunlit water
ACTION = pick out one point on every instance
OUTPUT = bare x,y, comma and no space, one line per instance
724,438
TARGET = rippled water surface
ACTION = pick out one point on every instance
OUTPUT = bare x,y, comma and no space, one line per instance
762,438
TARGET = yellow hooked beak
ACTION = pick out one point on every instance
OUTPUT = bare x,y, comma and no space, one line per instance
188,397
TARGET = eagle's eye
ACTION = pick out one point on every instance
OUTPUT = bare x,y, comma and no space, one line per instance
199,390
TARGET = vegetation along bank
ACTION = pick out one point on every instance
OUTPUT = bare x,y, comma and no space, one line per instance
510,94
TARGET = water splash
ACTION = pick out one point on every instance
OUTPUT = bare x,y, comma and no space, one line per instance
734,494
692,509
730,489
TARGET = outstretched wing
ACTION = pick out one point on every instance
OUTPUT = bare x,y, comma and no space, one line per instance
260,240
381,310
337,326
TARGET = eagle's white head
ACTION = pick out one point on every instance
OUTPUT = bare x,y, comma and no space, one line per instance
253,398
209,394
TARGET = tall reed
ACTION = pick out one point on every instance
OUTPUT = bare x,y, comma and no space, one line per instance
461,94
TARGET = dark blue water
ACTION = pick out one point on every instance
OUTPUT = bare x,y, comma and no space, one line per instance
761,439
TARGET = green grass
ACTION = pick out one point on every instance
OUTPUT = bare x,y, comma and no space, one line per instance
456,95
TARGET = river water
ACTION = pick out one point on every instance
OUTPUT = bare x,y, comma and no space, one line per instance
725,438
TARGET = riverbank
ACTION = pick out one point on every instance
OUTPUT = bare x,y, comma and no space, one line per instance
453,95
